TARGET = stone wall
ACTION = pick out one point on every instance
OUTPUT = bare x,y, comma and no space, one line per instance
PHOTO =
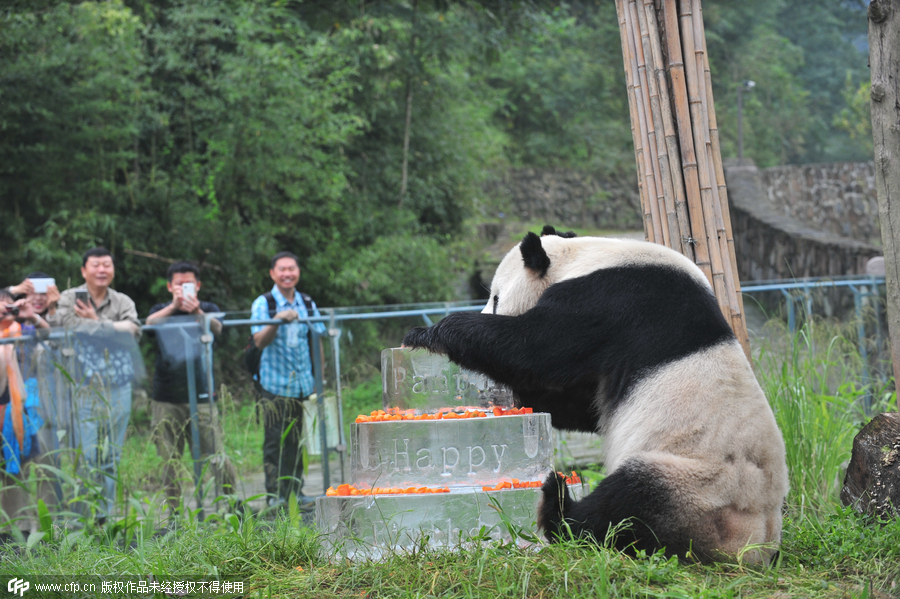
787,222
772,245
839,197
568,198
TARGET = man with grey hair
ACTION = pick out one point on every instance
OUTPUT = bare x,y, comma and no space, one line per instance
107,327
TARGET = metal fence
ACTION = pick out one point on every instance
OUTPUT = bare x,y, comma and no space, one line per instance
797,297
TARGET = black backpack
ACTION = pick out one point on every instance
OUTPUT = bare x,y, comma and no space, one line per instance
252,355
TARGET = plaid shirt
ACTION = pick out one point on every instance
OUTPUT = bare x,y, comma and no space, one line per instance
285,368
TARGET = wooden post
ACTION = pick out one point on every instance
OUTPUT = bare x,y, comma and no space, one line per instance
884,62
676,139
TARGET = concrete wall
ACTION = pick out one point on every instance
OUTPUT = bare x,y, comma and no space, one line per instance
839,197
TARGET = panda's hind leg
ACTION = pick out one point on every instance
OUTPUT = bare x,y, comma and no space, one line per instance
633,495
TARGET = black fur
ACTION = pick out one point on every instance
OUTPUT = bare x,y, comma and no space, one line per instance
615,501
534,255
548,230
604,331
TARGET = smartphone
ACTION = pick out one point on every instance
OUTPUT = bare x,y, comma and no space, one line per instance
41,285
188,290
82,296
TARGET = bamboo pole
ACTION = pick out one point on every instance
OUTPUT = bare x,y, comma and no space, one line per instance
719,203
676,72
660,127
676,137
635,131
671,137
649,174
699,120
651,121
719,172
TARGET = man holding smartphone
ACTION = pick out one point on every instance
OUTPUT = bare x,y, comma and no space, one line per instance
170,404
285,377
106,327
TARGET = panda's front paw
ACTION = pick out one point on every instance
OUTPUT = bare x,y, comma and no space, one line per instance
419,337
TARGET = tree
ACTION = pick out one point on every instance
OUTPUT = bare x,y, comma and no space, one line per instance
884,56
70,94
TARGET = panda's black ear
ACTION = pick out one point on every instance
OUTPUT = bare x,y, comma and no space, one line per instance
534,255
548,230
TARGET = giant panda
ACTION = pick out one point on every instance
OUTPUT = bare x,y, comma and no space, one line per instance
625,338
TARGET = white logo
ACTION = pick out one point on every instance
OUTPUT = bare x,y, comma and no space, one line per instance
18,586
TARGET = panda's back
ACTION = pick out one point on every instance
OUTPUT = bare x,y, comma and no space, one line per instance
707,408
582,255
630,319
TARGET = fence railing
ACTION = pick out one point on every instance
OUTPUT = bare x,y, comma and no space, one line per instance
794,292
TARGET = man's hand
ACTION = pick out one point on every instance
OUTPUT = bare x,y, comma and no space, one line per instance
288,315
177,297
264,337
52,297
85,310
23,288
126,326
191,305
27,314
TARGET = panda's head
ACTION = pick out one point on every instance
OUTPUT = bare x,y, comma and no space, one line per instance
526,272
540,261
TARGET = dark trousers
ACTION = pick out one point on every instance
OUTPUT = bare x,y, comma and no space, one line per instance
282,456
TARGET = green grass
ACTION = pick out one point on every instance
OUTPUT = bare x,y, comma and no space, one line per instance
140,465
813,381
842,556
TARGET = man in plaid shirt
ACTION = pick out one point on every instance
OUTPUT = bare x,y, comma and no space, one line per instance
285,377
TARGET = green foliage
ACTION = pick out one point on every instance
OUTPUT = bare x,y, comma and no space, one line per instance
814,380
799,54
856,117
411,278
70,91
840,539
565,101
226,131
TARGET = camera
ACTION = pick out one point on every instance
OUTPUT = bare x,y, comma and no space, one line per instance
12,309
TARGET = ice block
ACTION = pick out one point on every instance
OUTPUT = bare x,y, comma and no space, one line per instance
420,380
474,451
376,526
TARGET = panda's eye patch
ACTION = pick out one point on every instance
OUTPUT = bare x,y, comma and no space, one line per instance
496,301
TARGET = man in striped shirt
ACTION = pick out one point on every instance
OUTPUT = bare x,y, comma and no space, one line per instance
285,377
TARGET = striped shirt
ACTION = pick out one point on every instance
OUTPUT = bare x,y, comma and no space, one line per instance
285,367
